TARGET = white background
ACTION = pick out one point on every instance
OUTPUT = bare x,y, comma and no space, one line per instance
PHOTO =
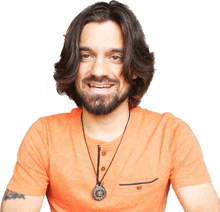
183,34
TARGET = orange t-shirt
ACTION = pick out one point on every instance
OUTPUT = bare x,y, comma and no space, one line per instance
156,150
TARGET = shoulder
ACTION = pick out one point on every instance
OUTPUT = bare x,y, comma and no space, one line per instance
62,118
56,122
154,118
164,124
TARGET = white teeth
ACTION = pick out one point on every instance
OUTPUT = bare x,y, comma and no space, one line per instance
99,86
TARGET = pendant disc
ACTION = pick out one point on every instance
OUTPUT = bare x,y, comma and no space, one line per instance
99,192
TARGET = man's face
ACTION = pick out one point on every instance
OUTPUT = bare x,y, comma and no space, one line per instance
99,82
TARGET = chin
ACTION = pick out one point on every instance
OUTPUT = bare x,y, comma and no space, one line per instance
102,106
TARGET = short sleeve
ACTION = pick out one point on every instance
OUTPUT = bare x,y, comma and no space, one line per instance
187,167
30,175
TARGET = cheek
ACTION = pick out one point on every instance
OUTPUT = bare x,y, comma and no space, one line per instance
126,87
80,75
77,82
84,68
123,84
83,72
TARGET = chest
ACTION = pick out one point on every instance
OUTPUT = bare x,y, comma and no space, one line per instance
139,173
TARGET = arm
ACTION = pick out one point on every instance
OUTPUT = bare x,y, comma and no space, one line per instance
30,177
198,198
14,202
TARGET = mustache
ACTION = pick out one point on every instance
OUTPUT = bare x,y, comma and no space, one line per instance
93,78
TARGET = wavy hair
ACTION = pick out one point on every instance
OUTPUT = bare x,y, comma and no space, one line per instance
138,60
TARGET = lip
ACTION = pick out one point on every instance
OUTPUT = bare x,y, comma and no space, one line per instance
99,85
100,88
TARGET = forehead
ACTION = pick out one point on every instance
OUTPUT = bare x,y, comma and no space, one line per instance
103,35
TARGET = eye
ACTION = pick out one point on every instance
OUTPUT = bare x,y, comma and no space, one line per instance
116,58
85,57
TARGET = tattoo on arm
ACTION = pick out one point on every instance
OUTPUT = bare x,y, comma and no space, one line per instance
12,195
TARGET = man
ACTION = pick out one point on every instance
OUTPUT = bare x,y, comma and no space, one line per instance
108,154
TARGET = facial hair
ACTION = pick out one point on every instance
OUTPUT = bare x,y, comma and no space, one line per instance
99,104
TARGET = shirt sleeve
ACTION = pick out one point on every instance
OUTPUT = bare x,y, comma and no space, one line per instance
30,175
188,167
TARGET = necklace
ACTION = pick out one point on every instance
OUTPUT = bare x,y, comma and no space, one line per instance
99,192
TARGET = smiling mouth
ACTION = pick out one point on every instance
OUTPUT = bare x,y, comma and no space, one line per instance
100,86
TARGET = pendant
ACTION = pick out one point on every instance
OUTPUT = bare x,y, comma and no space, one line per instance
99,192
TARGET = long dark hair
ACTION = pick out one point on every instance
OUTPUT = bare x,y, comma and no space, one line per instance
138,60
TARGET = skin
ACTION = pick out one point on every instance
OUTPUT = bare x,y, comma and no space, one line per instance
101,55
98,57
198,198
15,202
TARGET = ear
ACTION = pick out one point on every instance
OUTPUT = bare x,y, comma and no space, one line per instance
134,76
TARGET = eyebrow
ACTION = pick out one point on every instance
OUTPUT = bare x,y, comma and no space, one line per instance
85,48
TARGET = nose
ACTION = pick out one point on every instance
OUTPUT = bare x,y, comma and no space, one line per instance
99,67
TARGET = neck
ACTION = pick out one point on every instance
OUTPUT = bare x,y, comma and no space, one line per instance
106,127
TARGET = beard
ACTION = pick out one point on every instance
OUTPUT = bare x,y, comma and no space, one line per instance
101,104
